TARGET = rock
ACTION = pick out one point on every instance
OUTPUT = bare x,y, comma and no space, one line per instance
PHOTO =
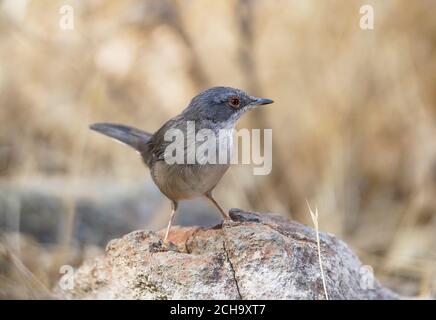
255,256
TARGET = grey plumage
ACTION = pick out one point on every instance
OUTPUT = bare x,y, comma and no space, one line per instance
135,138
216,108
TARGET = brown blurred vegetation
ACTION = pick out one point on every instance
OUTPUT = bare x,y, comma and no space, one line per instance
354,119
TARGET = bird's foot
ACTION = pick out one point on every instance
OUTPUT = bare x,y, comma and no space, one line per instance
244,216
168,246
162,246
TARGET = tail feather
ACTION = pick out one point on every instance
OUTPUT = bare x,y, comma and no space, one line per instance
132,137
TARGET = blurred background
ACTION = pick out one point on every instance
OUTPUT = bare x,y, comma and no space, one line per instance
354,124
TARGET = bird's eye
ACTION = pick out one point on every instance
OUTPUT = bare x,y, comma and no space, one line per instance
234,102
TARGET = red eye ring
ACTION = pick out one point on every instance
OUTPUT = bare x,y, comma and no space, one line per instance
234,102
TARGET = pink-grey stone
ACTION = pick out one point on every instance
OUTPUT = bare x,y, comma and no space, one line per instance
255,256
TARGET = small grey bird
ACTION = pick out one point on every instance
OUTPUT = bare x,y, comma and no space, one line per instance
217,108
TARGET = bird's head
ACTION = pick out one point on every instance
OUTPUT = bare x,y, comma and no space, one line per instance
222,105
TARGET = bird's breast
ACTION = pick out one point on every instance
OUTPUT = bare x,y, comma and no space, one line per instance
189,180
180,181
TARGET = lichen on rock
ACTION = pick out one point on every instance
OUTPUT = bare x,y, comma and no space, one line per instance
254,256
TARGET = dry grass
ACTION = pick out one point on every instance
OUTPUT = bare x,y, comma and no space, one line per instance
314,216
353,123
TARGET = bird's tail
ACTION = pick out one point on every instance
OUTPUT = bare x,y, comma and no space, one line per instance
135,138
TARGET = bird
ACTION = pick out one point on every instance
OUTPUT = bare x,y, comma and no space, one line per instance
216,109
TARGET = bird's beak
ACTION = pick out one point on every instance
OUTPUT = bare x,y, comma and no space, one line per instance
261,101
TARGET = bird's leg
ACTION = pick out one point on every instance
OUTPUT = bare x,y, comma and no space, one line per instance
223,213
174,205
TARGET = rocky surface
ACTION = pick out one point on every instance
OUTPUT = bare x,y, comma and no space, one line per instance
255,256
